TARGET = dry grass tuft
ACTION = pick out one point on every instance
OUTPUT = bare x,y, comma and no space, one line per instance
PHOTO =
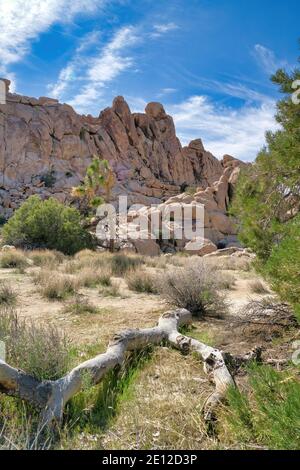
46,258
56,285
8,296
258,287
13,259
141,281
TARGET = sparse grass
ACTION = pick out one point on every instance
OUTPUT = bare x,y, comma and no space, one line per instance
159,262
41,351
46,258
141,281
204,336
8,296
162,409
230,263
13,259
194,287
121,263
268,415
258,287
111,291
227,281
55,285
89,277
80,306
95,408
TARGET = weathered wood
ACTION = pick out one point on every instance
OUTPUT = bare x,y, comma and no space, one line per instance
52,396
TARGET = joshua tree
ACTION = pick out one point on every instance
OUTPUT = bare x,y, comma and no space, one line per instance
99,178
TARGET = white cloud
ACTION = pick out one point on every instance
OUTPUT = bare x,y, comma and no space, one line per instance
224,130
22,21
163,28
91,73
267,59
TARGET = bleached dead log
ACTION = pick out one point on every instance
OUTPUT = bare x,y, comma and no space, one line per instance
52,396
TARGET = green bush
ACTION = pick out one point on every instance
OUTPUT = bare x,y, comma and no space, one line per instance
267,197
283,265
47,224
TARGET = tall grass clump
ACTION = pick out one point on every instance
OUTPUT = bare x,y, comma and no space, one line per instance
13,259
56,285
141,281
46,258
121,263
8,296
269,414
194,287
41,351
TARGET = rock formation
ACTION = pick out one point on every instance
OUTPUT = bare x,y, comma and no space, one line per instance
45,148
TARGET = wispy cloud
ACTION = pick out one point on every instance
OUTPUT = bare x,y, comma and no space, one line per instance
224,130
85,76
162,28
22,21
267,59
91,73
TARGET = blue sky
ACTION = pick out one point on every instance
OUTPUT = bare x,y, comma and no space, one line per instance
207,61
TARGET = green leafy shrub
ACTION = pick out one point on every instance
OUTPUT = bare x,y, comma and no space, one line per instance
283,265
267,197
47,224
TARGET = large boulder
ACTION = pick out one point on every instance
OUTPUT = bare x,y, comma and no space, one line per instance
200,247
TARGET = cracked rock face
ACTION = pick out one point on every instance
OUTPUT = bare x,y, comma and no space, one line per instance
41,137
45,148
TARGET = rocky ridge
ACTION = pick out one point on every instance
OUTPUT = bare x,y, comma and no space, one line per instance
45,148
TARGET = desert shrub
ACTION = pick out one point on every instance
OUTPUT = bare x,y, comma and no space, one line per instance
121,263
269,414
55,285
194,287
46,257
13,259
46,224
258,287
141,281
41,351
7,294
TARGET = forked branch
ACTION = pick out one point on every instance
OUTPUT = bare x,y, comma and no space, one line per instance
52,396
